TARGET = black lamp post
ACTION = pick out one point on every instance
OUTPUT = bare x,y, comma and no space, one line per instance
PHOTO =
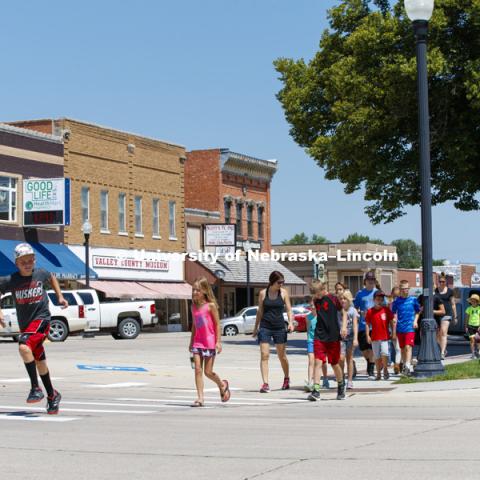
87,230
429,364
246,248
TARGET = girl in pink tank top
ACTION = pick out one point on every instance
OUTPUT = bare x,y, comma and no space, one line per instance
205,340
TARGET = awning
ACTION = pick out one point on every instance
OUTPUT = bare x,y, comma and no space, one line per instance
142,290
182,291
54,257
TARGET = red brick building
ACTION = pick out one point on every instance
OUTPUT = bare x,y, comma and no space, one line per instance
227,187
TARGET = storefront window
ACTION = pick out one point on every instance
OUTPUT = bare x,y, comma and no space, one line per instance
239,219
353,282
249,221
85,204
104,210
8,199
122,224
138,216
260,222
171,210
155,217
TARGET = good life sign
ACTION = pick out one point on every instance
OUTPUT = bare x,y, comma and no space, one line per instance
46,201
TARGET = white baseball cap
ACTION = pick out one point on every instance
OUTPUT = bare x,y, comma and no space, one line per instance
23,249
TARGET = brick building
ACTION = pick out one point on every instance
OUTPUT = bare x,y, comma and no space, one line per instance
131,189
26,155
222,186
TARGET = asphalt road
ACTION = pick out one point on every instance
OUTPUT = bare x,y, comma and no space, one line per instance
127,424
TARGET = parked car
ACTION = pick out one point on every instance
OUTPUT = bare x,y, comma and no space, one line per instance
64,320
124,320
300,315
243,322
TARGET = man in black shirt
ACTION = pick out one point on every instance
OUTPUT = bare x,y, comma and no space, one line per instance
31,302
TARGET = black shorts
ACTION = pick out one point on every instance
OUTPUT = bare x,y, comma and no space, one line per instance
362,341
472,331
265,335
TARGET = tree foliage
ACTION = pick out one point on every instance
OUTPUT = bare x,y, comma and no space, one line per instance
354,105
409,253
359,238
302,239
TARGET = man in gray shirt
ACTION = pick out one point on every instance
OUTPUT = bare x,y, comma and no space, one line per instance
31,302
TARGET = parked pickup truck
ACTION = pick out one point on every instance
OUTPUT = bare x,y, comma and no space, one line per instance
64,320
124,320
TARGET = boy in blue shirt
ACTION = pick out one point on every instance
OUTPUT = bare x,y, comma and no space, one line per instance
406,310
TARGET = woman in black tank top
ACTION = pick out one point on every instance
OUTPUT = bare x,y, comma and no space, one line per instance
272,325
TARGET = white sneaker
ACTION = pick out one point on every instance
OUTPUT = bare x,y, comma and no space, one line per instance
308,386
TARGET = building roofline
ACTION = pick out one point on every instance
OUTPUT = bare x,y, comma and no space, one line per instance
30,133
92,124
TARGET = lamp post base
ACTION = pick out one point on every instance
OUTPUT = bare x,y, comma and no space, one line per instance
429,358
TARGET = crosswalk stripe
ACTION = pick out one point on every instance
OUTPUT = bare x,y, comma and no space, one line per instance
84,410
266,400
29,418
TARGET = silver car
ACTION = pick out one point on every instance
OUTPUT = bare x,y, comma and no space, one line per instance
243,322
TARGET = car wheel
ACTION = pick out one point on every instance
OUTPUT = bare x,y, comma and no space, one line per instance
128,328
230,330
58,330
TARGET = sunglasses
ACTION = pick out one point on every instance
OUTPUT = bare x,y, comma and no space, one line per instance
442,281
280,282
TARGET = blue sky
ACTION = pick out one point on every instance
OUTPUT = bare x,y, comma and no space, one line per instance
199,74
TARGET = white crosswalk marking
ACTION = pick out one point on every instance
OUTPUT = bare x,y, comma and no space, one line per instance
33,418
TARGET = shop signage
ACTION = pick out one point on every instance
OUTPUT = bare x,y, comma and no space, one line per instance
104,261
475,281
220,235
46,201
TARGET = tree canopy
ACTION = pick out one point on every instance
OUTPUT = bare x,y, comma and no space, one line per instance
359,238
353,107
302,239
409,253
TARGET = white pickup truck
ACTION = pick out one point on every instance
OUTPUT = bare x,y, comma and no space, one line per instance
64,320
123,320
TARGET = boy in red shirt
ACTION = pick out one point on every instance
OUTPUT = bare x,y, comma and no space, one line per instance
378,319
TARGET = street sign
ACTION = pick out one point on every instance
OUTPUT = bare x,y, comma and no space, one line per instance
46,201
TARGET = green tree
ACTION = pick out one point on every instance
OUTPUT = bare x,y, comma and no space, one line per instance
359,238
302,239
354,105
297,239
318,239
409,253
439,262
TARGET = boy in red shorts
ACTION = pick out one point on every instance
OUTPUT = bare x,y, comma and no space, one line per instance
406,310
31,302
326,343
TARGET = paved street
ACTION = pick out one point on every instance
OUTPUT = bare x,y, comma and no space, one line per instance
138,424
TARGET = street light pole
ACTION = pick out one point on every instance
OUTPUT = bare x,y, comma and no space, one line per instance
87,230
429,364
247,247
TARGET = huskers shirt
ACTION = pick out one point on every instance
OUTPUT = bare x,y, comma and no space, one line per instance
29,294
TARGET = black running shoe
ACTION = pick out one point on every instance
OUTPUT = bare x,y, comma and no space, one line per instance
53,403
35,395
341,391
314,396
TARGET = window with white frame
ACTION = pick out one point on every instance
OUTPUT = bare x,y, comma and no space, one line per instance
138,216
122,204
156,217
260,221
171,218
104,211
8,199
85,204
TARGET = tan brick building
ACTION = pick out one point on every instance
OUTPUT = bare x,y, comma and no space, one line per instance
130,187
222,186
